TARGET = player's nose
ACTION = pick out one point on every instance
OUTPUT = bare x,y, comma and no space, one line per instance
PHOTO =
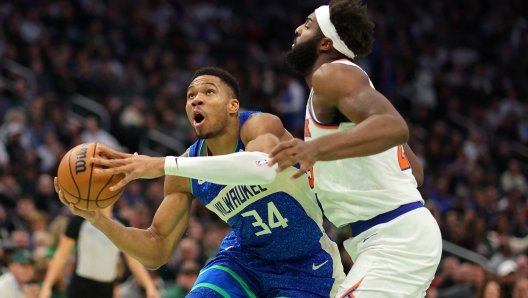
197,101
298,31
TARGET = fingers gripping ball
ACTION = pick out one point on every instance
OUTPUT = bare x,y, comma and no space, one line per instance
81,185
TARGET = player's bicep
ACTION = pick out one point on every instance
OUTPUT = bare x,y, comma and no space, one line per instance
363,102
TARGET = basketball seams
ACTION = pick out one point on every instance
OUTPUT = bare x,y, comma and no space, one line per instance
72,195
77,192
71,173
90,181
103,188
83,199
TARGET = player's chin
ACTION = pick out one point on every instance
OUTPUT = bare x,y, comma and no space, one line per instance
202,134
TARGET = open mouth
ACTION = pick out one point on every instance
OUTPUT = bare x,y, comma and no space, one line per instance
199,119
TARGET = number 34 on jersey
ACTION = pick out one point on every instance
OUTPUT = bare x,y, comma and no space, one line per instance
275,220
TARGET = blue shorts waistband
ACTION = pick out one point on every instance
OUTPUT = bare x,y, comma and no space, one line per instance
361,226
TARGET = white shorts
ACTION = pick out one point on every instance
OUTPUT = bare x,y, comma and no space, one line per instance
396,259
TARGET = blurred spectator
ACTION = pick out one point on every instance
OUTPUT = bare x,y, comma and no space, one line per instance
506,273
93,133
46,198
25,206
513,178
503,254
187,275
5,225
187,250
440,195
17,283
520,288
132,194
38,221
48,152
21,239
466,282
491,289
290,103
522,265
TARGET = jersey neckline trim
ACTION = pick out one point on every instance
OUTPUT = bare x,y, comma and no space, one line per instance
314,119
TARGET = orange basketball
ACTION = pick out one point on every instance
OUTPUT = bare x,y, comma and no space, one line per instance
81,185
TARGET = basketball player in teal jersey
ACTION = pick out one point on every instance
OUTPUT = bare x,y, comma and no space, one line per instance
278,247
355,144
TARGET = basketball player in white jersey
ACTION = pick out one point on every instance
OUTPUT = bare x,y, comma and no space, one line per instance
355,141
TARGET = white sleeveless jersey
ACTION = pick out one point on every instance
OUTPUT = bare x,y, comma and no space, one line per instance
359,188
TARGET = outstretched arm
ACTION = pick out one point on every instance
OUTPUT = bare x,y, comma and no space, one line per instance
153,246
260,134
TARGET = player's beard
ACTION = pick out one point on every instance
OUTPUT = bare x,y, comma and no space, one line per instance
301,58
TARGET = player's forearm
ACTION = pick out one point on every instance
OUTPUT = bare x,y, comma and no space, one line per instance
372,136
137,243
242,168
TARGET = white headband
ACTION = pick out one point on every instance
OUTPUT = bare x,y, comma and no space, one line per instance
322,14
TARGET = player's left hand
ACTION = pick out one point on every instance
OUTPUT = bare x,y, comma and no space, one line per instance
289,153
134,166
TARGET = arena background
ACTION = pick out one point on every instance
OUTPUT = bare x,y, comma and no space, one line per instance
116,72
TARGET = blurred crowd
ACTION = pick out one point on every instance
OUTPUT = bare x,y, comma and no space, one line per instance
456,70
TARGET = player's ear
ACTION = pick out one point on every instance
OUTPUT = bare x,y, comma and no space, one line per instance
233,106
326,44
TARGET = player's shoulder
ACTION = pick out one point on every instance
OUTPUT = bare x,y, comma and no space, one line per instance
259,124
261,121
338,76
261,118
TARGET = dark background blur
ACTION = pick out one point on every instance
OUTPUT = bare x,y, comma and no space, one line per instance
116,72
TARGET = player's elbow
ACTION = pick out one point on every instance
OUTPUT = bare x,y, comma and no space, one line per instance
156,262
401,132
270,175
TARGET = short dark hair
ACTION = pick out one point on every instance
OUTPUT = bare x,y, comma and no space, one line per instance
223,75
350,19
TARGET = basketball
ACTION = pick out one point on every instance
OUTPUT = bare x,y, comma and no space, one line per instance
81,185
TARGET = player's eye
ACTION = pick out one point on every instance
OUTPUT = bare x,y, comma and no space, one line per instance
210,91
190,96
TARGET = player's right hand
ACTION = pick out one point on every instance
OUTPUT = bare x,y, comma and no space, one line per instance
90,216
134,166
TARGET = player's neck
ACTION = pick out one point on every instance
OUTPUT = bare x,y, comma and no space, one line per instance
322,59
226,142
